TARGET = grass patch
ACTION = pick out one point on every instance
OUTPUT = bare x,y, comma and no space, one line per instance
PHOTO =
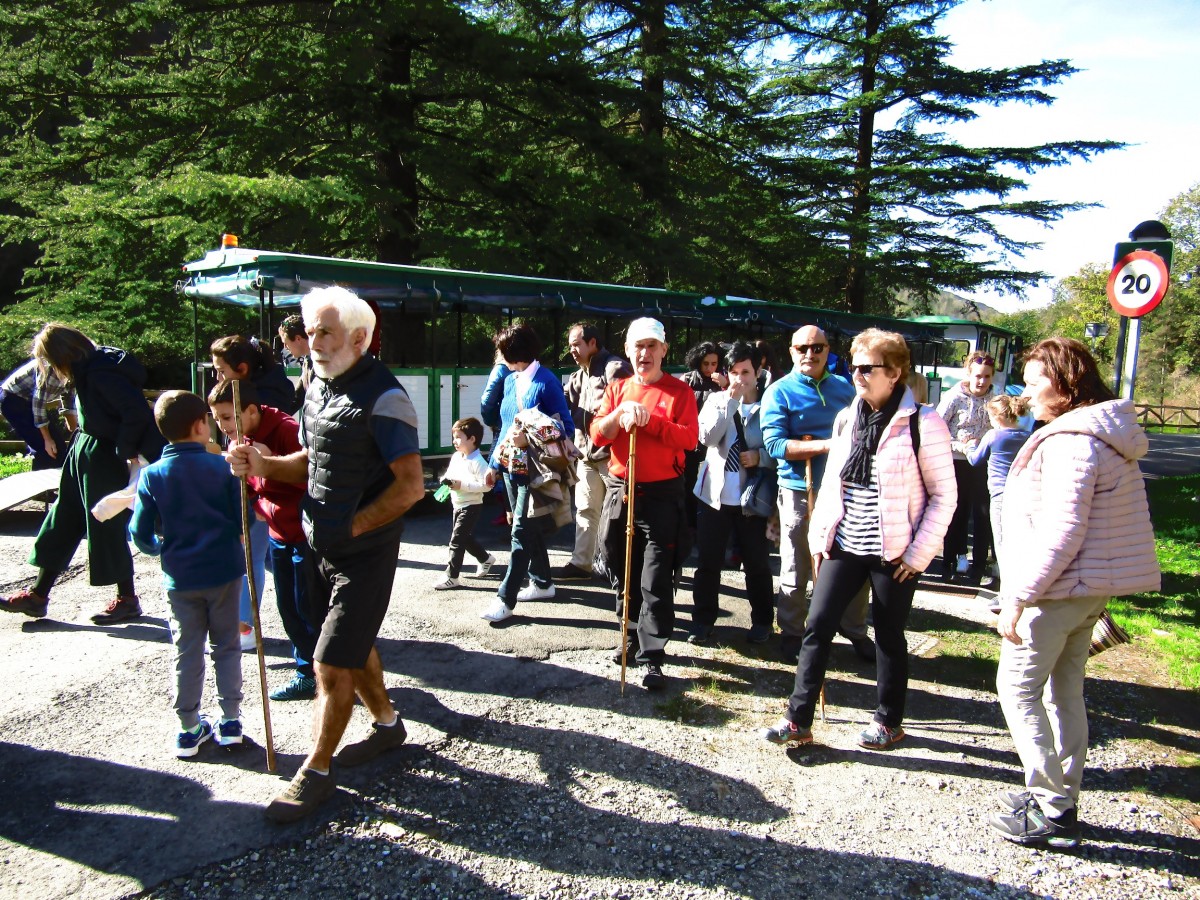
14,464
1169,621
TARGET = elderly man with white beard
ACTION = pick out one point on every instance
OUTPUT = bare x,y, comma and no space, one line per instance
362,461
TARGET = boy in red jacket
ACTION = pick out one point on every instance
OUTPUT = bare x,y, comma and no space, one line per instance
275,433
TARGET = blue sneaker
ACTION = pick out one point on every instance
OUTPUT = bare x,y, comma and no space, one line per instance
187,743
229,732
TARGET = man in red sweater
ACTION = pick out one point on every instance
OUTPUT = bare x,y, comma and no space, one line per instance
663,410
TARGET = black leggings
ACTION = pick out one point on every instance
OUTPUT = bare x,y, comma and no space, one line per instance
841,577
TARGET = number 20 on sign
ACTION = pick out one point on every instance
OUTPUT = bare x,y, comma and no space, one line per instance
1137,283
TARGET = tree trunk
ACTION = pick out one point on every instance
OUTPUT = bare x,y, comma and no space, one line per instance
399,239
859,220
652,122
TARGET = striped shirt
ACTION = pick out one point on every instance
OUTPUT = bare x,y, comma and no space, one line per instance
860,531
39,389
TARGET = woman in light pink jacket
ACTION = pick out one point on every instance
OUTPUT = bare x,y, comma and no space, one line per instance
881,514
1076,531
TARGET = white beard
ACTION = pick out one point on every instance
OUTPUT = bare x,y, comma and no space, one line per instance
336,365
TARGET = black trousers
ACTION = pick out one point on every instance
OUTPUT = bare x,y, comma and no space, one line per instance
462,538
974,504
842,576
658,516
713,528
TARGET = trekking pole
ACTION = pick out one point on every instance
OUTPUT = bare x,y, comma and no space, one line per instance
630,483
808,481
262,665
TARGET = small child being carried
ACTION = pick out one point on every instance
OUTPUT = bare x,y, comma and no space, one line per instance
999,447
469,477
192,500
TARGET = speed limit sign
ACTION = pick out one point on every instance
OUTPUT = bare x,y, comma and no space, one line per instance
1137,283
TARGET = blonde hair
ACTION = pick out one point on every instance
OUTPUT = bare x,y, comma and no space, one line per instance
1007,409
59,347
919,385
888,344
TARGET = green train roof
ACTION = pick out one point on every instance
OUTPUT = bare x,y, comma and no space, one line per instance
242,276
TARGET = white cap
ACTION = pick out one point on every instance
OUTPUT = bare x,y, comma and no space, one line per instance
644,329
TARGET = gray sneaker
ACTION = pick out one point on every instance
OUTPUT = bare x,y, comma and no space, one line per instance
381,738
307,791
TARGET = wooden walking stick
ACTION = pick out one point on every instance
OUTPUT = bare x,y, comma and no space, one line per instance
630,484
808,480
262,665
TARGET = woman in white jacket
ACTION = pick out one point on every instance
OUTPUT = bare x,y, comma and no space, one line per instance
884,506
731,435
1077,531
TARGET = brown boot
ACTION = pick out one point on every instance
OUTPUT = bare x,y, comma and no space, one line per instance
121,609
26,602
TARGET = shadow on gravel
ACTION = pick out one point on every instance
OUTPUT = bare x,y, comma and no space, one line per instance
568,825
115,818
144,628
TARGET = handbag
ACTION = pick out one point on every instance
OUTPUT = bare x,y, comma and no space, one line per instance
1106,633
758,497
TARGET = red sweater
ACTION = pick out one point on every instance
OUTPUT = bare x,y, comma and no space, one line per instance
661,442
276,501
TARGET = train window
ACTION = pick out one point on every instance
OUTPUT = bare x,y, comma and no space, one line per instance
955,353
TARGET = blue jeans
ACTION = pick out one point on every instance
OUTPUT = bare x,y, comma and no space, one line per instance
528,556
258,557
290,564
19,413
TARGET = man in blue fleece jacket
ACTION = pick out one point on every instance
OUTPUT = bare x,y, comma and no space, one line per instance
797,423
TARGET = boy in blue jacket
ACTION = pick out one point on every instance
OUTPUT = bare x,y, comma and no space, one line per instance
188,511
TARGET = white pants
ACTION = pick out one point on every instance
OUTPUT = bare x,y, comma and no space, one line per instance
1040,683
589,498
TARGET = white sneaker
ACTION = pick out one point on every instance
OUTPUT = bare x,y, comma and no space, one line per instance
448,584
248,643
533,592
482,568
497,612
963,566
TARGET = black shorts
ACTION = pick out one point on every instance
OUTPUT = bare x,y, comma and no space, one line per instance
355,589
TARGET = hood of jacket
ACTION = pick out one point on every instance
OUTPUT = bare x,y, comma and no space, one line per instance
1114,422
111,360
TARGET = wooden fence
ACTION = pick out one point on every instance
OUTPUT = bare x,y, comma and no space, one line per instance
1159,416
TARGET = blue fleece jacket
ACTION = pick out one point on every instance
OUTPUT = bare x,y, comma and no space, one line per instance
795,406
190,497
999,447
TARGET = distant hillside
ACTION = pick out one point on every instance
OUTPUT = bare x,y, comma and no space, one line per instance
945,304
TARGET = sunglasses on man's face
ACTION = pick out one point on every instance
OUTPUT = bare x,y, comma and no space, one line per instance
865,369
814,349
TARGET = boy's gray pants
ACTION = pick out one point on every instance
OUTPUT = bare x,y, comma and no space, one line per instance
196,616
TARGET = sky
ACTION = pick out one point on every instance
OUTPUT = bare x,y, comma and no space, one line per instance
1139,83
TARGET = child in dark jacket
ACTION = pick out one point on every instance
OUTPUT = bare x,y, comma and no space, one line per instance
278,503
998,448
190,498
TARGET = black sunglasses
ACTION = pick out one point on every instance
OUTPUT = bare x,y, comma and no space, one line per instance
814,348
865,369
984,361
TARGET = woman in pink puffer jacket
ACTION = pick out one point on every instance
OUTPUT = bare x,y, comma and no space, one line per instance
880,517
1075,508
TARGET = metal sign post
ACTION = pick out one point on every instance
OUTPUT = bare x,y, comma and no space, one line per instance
1137,283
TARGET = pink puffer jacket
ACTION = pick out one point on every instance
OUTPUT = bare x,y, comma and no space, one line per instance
1075,521
916,499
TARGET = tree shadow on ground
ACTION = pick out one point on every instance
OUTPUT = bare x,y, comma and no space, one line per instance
442,797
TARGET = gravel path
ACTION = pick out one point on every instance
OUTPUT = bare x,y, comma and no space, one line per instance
529,775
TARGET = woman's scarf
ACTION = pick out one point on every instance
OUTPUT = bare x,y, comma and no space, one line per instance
868,429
